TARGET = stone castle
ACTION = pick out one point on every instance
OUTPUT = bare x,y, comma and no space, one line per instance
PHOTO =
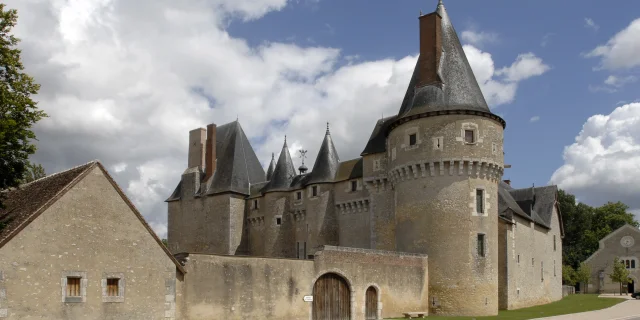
428,181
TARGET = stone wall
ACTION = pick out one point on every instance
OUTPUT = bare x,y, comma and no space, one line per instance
89,232
225,287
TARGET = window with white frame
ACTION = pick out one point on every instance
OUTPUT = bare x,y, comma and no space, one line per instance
481,245
74,286
480,205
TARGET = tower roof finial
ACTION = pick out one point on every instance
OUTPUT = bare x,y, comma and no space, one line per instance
273,155
328,127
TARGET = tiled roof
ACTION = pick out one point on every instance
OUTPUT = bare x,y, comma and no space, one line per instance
378,140
326,165
283,174
348,170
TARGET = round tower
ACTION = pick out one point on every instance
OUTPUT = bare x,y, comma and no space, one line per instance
445,162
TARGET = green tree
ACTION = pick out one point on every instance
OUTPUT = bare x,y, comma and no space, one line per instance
165,242
620,273
18,111
568,275
33,172
583,276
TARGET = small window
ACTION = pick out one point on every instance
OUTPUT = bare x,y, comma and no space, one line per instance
278,221
481,245
541,270
298,250
633,264
627,263
479,201
554,242
299,195
412,139
73,287
314,191
554,268
255,204
113,287
518,258
354,185
469,136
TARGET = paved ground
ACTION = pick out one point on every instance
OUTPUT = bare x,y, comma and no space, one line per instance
628,310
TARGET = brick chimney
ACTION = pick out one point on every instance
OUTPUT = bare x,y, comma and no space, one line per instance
196,148
430,49
210,162
507,182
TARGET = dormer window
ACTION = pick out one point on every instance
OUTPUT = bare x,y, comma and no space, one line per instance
412,139
469,136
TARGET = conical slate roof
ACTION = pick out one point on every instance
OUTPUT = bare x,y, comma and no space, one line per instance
442,79
327,161
272,167
283,173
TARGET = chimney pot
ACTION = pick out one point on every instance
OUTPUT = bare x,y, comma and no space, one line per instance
211,156
196,148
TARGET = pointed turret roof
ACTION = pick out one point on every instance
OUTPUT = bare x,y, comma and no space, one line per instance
283,173
327,161
442,79
272,166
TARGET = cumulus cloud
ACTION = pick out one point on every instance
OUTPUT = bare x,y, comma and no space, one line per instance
479,38
125,81
534,119
590,24
621,51
500,86
603,164
613,84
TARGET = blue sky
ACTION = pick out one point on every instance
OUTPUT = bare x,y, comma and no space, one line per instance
143,73
374,30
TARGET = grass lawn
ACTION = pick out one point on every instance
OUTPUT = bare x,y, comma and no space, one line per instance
570,304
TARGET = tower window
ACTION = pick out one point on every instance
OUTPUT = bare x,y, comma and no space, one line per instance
255,204
412,139
299,195
554,242
314,191
479,201
278,221
633,264
518,258
354,185
481,245
469,136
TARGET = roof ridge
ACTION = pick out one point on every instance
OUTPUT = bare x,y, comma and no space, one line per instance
57,173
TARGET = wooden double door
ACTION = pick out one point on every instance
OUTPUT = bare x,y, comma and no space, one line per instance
331,298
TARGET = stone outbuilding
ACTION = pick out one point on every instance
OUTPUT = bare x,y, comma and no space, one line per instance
624,244
72,246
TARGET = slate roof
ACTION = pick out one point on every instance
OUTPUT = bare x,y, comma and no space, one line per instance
283,174
24,204
326,165
348,170
237,166
378,140
456,87
272,166
533,204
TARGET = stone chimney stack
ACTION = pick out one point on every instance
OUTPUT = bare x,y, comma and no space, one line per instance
196,148
430,49
210,162
507,182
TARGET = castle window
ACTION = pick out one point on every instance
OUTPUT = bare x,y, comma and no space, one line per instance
412,139
481,251
541,271
494,148
299,195
518,258
554,242
479,201
438,143
314,191
354,185
627,263
554,268
633,264
255,204
113,287
278,221
469,136
74,286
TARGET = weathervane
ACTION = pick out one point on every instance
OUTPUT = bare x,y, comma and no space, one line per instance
303,155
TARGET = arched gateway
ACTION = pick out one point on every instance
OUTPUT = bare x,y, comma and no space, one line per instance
371,304
331,298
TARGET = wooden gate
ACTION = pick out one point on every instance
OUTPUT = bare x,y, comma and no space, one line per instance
331,298
371,304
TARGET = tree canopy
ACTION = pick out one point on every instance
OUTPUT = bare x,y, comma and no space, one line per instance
18,111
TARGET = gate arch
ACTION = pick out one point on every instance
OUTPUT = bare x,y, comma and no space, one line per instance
371,303
331,298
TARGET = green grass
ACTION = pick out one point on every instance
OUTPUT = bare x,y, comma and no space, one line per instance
570,304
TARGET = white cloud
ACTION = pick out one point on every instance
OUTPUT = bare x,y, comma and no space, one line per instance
534,119
546,39
590,24
619,82
603,164
500,86
125,81
621,51
479,38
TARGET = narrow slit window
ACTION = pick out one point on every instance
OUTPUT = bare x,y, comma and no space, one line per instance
354,185
73,287
633,264
113,287
412,139
255,204
481,250
518,258
554,242
469,136
299,195
314,191
480,201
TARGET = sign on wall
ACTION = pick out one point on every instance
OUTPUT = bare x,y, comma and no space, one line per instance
308,298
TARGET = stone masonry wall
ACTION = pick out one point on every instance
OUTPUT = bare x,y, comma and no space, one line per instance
89,232
602,261
225,287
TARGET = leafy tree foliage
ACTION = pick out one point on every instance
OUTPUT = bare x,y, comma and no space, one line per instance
583,275
33,172
568,275
18,111
620,273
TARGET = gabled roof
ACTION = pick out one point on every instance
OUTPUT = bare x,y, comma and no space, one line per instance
326,165
533,204
442,79
506,203
237,166
284,172
607,237
25,203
